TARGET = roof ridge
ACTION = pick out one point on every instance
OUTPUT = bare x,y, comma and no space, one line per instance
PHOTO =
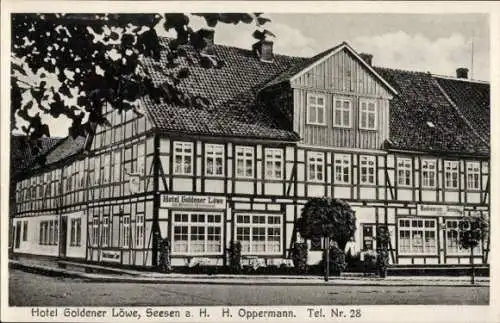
461,79
244,49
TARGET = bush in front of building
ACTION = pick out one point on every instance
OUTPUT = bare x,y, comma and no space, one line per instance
337,261
235,257
299,257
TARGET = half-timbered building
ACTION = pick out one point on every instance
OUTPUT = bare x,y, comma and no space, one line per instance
406,149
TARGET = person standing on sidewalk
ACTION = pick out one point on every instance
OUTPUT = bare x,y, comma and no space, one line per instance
165,266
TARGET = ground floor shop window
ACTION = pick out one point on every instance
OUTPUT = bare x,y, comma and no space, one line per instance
417,236
49,232
76,233
259,233
197,233
25,230
453,239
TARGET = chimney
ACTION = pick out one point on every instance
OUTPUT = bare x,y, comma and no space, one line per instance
462,73
264,50
367,58
208,38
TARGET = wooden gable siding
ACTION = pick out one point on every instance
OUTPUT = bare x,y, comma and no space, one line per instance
341,72
331,136
331,78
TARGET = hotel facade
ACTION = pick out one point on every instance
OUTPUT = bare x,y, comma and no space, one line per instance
405,149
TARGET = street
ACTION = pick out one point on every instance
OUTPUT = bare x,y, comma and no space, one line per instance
27,289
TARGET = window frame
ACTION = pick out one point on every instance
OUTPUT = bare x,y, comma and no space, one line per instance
368,158
342,158
248,154
211,151
470,170
273,156
367,102
187,150
313,158
139,229
459,251
451,171
189,224
125,231
434,251
425,181
251,225
342,111
316,106
404,165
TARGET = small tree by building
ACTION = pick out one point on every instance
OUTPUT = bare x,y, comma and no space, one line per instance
328,218
473,230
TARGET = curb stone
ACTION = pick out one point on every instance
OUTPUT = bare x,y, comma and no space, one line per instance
241,280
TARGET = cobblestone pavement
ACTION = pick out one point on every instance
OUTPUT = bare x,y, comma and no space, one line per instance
27,289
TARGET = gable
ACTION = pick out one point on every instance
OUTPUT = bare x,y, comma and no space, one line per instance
344,71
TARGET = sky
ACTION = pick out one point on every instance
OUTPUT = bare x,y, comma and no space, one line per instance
436,43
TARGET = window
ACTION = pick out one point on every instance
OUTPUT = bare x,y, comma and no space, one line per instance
316,109
428,173
404,172
274,163
451,173
106,232
117,166
342,113
95,231
315,166
244,161
183,158
417,236
367,170
139,230
214,160
140,159
367,114
25,230
107,168
342,168
97,169
76,232
473,174
197,233
453,246
126,231
259,233
42,235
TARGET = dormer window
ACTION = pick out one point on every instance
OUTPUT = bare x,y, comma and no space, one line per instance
367,114
342,113
316,109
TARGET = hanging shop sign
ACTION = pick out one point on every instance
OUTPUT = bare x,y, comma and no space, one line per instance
193,201
439,210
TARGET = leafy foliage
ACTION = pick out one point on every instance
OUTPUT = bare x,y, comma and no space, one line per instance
299,256
472,230
73,64
337,261
327,217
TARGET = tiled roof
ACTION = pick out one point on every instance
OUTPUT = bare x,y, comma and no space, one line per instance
231,91
287,74
66,148
472,99
422,119
22,155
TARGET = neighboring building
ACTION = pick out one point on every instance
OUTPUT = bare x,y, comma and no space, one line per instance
406,149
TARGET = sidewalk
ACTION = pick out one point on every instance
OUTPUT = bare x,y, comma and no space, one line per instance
132,276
